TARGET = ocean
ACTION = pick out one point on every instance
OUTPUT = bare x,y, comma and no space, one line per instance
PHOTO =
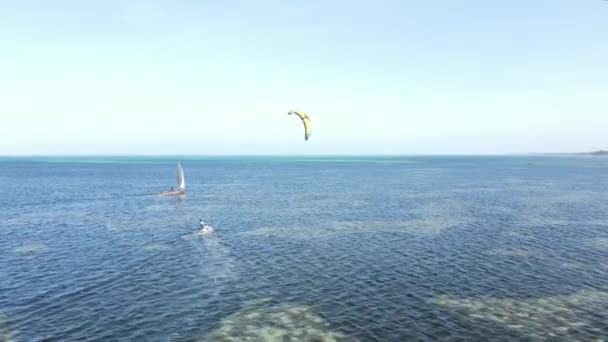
413,248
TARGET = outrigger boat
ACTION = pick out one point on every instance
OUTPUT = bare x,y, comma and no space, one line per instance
181,183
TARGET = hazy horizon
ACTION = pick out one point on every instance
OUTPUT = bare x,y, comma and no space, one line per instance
392,78
321,155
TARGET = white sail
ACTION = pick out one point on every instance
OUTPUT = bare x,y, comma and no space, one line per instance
181,181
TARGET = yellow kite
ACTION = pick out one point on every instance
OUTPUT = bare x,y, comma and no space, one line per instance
306,120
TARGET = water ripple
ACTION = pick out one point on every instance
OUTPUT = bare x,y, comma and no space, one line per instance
435,249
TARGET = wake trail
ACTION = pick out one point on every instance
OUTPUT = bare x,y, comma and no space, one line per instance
215,261
90,199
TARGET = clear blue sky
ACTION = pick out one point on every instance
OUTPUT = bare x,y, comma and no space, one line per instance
215,77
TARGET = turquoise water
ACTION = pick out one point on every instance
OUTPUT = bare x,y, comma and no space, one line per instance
306,248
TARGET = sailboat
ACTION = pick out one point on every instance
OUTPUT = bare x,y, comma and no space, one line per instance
181,183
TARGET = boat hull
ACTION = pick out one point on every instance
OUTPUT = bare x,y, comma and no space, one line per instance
173,193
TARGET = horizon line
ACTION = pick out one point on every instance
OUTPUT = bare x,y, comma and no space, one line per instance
166,155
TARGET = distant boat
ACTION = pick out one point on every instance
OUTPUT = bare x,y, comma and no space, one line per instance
181,183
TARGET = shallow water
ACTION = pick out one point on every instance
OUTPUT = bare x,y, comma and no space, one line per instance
334,249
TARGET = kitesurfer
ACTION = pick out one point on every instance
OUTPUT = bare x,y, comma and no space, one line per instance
204,228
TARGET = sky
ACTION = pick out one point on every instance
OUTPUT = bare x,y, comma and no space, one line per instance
376,77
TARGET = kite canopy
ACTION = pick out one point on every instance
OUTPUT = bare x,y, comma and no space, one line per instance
306,120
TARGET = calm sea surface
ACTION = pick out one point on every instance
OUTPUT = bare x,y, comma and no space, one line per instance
310,249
